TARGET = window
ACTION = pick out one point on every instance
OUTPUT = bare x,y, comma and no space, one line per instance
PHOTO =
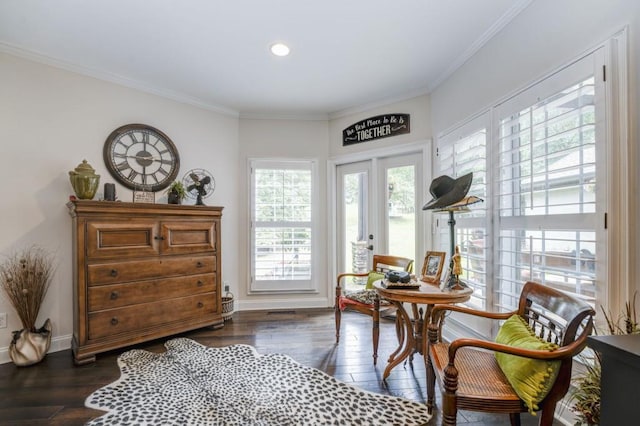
282,231
539,163
462,151
546,184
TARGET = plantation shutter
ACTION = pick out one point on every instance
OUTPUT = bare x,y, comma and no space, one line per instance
462,151
546,185
282,237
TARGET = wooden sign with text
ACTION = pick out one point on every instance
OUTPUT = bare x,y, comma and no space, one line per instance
378,127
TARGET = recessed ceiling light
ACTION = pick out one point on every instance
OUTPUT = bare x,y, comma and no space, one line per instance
280,49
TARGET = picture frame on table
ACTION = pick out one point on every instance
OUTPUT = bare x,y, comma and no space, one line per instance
446,272
432,267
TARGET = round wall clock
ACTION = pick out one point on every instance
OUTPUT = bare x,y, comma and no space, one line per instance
141,157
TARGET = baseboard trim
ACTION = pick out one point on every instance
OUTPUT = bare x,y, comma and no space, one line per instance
258,305
58,344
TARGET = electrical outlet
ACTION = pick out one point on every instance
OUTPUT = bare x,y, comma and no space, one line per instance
226,285
3,320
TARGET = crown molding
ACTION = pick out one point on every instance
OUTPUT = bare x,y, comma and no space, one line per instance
502,22
378,104
114,78
283,116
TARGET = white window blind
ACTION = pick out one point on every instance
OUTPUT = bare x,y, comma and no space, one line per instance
282,226
538,160
462,151
546,186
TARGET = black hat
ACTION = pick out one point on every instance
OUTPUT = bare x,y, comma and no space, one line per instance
446,191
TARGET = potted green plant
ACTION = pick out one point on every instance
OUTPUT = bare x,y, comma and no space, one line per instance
25,277
176,193
586,393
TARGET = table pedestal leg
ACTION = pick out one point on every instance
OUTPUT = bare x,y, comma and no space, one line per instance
406,339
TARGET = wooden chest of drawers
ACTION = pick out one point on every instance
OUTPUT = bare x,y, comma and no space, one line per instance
141,272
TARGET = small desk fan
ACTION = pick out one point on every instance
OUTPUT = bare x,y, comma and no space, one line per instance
199,184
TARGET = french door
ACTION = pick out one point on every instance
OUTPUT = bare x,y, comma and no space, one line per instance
378,210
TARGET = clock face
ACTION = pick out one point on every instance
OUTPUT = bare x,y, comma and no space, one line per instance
141,157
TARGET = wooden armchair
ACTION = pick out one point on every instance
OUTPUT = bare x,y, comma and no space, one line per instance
381,263
469,375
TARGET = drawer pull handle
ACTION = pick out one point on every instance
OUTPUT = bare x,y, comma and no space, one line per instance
200,283
200,304
199,265
114,321
114,295
114,272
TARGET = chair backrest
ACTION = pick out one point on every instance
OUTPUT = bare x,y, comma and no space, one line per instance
559,318
385,262
555,316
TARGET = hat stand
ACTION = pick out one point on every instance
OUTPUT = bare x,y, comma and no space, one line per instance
461,207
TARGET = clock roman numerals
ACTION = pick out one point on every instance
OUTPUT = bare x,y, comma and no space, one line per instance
139,155
123,166
125,145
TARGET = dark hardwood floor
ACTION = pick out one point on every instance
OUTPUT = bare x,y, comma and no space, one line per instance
53,392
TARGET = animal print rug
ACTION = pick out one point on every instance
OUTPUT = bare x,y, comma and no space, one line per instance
234,385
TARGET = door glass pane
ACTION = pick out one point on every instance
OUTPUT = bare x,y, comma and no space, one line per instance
354,206
401,214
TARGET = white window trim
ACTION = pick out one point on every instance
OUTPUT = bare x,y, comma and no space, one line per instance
620,166
284,287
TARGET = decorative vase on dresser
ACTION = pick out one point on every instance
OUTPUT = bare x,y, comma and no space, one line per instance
141,272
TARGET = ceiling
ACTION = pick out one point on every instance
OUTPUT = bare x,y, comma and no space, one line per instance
345,54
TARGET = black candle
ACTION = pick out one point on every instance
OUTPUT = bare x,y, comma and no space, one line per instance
110,191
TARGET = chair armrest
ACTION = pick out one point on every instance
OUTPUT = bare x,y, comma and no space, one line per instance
437,310
561,353
434,329
350,274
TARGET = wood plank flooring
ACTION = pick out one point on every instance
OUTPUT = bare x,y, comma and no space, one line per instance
53,392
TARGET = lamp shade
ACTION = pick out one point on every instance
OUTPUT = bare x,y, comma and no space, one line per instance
446,191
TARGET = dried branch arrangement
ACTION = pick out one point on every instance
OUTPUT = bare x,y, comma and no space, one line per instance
25,277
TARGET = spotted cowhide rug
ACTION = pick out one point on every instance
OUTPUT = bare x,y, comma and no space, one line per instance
234,385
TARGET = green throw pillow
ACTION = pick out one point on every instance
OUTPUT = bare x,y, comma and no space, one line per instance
373,277
531,379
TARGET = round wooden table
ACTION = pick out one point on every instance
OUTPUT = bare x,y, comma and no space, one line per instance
411,337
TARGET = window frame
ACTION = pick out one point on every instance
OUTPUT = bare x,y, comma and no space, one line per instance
615,263
289,286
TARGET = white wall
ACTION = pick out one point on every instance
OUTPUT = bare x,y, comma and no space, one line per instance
299,139
51,120
545,36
